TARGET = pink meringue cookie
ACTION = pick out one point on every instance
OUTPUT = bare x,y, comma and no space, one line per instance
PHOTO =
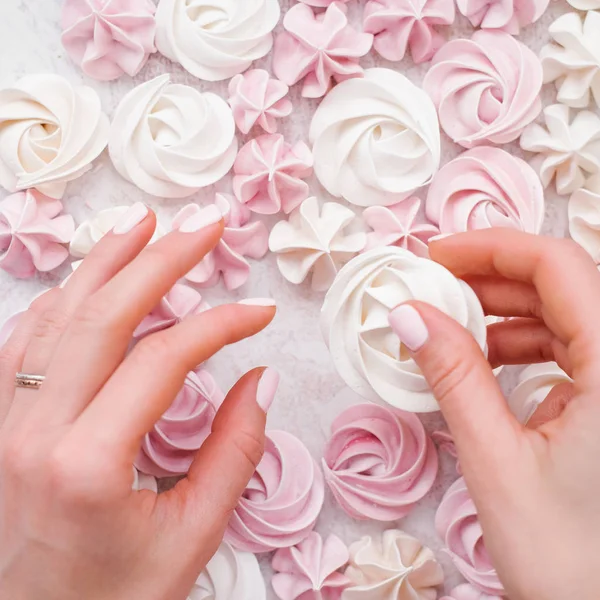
468,592
310,570
378,462
33,234
108,38
318,48
507,15
457,524
180,302
398,225
240,239
486,187
255,97
169,449
269,173
486,89
398,24
445,443
282,501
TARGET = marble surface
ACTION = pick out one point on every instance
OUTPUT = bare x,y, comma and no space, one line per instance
311,392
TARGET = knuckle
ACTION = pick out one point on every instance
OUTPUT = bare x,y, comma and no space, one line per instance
69,480
16,458
51,324
450,371
250,447
92,314
155,348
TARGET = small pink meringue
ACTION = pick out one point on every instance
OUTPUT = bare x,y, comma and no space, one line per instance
33,234
398,225
398,24
467,592
240,239
318,48
445,443
255,97
180,302
282,501
108,38
269,173
310,570
508,15
169,449
379,462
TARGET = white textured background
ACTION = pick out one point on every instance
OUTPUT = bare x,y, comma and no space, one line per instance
311,392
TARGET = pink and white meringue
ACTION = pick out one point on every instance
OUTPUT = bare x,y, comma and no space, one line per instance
486,187
33,234
269,174
318,48
283,499
169,449
398,225
109,38
256,97
401,24
467,592
486,89
379,462
507,15
310,570
240,239
457,524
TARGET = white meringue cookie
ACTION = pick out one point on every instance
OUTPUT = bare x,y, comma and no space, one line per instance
172,140
376,139
141,481
535,383
584,218
215,39
315,240
570,151
50,132
230,575
585,4
354,321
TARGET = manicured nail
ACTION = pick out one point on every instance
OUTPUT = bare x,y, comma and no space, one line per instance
409,326
267,388
210,215
133,217
258,302
440,236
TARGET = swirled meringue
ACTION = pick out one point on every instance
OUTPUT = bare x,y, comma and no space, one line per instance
584,218
397,226
458,525
354,321
486,187
50,132
534,384
379,463
394,566
215,40
282,500
255,97
171,140
169,449
467,592
108,38
310,570
269,173
509,16
318,48
141,481
486,89
583,4
8,327
33,233
401,24
240,239
376,139
315,240
570,152
230,575
572,59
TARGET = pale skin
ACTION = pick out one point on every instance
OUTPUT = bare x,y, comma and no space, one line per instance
71,527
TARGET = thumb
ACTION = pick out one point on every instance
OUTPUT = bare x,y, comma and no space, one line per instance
463,383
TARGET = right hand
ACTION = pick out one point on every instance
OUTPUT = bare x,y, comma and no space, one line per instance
536,488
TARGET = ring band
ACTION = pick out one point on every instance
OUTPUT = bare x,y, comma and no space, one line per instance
32,382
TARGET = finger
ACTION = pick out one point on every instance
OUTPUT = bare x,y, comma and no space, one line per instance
553,406
145,384
101,330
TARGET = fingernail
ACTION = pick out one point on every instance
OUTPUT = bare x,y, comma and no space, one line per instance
409,326
258,302
440,236
210,215
267,388
133,217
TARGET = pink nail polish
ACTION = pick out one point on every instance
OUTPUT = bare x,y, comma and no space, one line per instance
409,326
267,388
210,215
131,219
267,302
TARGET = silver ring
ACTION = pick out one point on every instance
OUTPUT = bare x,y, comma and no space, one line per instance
32,382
